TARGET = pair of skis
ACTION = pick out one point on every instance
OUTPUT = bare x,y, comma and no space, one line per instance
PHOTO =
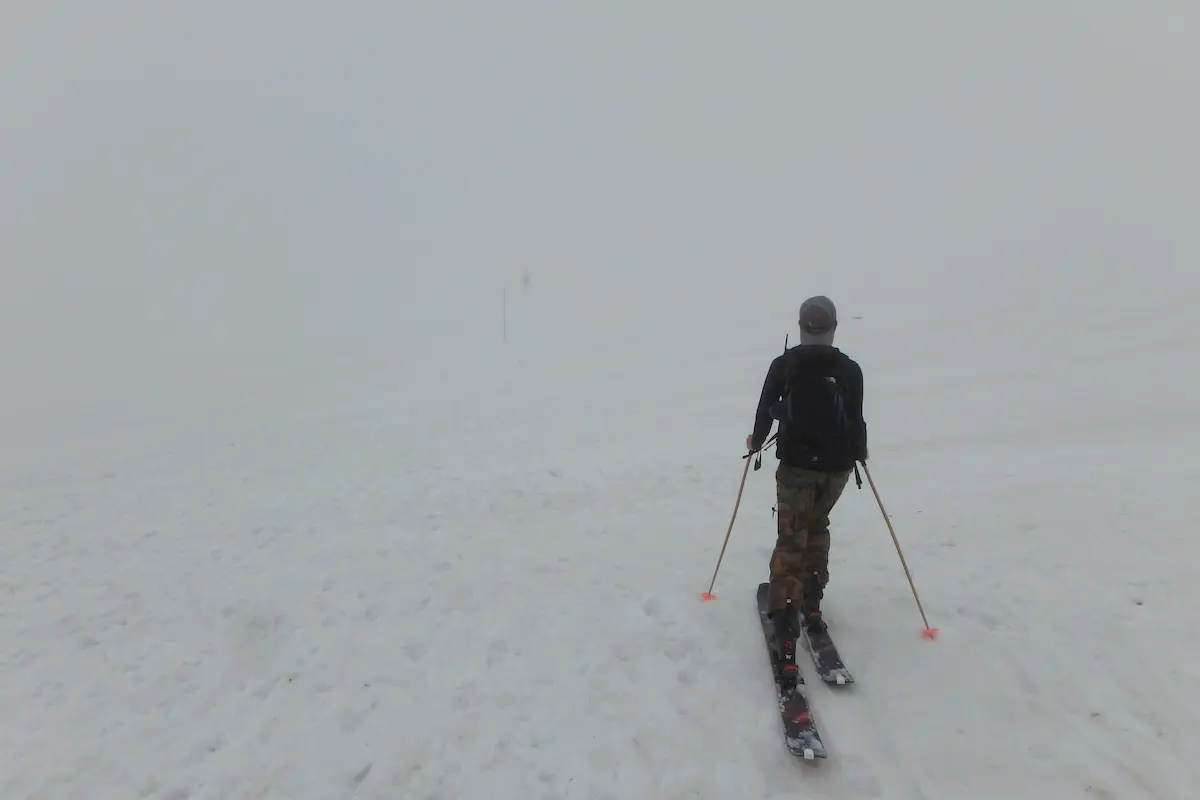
799,729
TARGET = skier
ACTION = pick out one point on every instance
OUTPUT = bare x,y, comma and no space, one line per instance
815,391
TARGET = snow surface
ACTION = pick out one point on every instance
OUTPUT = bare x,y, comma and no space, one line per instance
304,495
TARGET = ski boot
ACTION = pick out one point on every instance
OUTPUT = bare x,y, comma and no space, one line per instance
813,593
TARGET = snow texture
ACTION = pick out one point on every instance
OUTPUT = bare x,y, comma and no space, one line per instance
292,507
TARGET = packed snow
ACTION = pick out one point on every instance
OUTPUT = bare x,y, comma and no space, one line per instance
305,491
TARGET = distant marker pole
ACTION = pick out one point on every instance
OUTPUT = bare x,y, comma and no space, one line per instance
709,594
928,633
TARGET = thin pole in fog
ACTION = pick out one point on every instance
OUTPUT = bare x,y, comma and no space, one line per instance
504,312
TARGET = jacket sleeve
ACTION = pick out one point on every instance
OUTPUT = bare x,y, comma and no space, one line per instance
772,390
856,399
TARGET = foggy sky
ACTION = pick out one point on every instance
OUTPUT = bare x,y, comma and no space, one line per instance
190,185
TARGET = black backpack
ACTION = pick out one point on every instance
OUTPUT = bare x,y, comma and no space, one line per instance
815,426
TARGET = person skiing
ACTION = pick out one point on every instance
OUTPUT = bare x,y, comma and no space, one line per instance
815,392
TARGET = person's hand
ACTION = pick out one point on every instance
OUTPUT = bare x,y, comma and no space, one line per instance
750,443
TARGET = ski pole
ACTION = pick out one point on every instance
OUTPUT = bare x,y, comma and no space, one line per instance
709,594
928,633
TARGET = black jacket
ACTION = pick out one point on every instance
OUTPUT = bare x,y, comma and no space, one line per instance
849,374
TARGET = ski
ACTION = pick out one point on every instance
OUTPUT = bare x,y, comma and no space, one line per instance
826,658
799,729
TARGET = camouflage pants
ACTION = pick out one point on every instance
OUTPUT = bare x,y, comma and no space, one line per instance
800,562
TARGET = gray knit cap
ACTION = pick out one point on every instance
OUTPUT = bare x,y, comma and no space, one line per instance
818,320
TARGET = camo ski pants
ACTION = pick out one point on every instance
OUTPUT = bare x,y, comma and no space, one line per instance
800,562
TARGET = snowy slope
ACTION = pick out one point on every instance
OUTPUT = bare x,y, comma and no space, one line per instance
304,495
379,596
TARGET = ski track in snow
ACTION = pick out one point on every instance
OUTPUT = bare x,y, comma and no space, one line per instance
375,594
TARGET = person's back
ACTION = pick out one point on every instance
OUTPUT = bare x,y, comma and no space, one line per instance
820,409
815,391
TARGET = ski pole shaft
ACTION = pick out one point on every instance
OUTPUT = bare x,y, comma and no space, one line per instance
709,594
929,632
